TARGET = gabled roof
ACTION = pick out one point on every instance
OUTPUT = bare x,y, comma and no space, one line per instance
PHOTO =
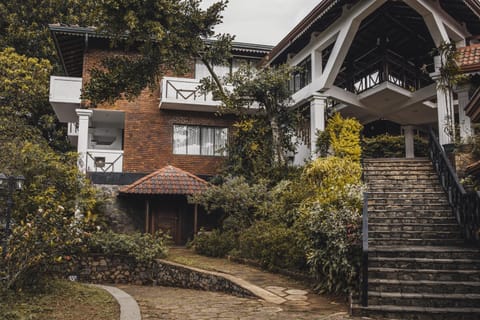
469,58
328,12
167,181
71,41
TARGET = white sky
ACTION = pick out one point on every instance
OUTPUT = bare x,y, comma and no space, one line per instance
262,21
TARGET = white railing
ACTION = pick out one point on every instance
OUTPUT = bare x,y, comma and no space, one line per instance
104,160
185,91
184,94
72,129
65,89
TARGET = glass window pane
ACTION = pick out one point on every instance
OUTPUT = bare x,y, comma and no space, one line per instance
179,139
221,136
193,146
208,138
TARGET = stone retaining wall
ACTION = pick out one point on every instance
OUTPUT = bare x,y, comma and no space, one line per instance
121,269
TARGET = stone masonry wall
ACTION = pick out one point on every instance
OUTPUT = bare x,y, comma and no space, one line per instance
121,215
120,269
148,133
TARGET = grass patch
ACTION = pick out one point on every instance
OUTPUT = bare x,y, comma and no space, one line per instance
60,299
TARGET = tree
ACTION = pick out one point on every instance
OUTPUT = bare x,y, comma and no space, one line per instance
24,24
157,35
269,88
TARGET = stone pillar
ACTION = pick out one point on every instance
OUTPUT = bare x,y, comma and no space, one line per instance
409,142
445,111
317,121
464,120
82,146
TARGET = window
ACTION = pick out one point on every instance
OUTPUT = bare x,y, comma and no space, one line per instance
199,140
303,76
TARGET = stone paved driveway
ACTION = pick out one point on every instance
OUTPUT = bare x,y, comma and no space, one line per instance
183,304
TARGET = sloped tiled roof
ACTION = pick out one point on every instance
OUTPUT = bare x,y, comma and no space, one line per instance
469,58
167,181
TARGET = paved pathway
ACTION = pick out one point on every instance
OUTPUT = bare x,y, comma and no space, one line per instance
298,302
185,304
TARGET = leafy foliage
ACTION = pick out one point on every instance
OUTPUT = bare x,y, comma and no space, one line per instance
387,146
24,106
236,199
274,245
52,214
268,87
144,247
215,243
344,136
158,35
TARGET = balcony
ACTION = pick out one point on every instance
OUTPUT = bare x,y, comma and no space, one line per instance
104,160
184,94
65,97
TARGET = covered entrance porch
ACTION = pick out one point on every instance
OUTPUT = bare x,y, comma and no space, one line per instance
166,207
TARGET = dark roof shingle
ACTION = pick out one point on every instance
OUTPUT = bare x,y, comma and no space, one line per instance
167,181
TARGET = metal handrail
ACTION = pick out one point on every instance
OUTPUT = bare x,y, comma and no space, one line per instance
364,282
465,206
110,165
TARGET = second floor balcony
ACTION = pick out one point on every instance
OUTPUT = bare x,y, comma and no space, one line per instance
184,94
64,97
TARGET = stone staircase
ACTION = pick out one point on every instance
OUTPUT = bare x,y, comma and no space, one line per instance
418,264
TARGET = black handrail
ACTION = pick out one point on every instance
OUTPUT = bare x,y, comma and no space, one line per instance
364,282
465,206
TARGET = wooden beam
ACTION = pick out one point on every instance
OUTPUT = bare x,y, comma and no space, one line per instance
147,215
195,220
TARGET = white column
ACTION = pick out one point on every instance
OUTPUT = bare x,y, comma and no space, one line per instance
409,142
82,146
464,120
445,111
317,121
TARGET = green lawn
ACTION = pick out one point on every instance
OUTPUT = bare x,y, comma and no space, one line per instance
61,300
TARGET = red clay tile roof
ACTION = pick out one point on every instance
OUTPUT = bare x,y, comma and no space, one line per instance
168,180
469,58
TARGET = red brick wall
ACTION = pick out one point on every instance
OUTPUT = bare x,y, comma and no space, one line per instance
148,136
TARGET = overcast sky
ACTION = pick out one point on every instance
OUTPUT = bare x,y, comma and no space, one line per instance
262,21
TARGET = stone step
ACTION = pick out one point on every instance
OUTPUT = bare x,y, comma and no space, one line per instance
423,286
435,300
416,313
410,188
439,235
421,214
409,227
424,274
398,174
413,220
408,207
424,263
414,242
405,201
424,252
407,195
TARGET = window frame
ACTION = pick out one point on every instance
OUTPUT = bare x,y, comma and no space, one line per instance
201,129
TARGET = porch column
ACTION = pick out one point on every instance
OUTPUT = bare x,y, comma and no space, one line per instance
147,216
445,111
464,120
82,146
317,121
409,142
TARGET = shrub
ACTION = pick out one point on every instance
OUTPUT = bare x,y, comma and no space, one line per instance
237,199
273,245
214,243
333,246
388,146
344,136
143,247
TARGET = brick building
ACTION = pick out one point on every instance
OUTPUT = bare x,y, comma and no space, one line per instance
173,125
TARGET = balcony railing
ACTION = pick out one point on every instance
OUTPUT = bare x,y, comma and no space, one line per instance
104,160
185,91
72,129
